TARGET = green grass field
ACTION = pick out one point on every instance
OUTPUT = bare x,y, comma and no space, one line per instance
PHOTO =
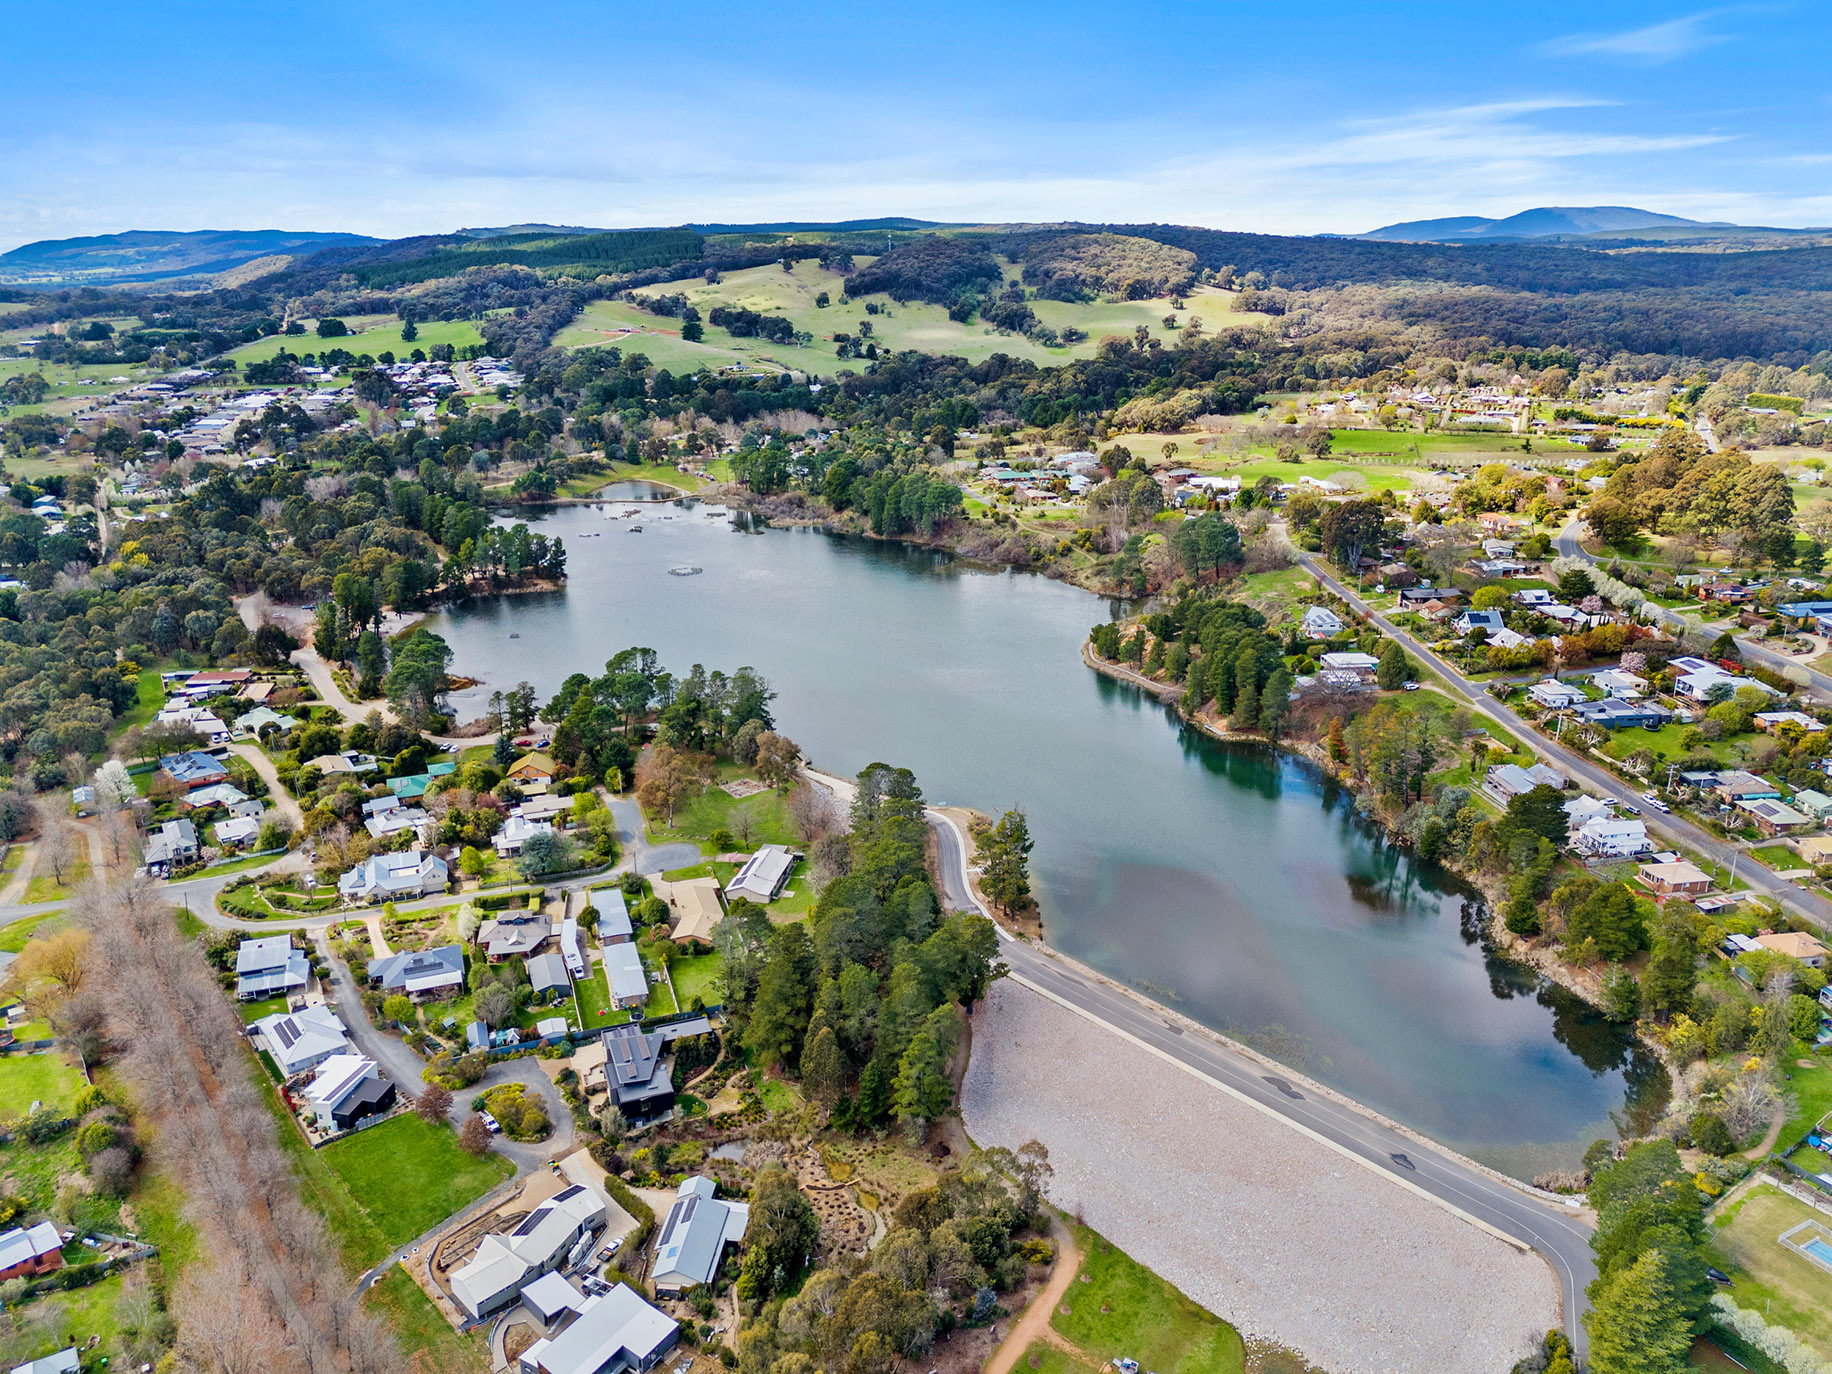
150,697
1045,1358
594,999
14,936
697,975
1767,1276
407,1175
716,809
915,325
58,1320
430,1341
371,334
29,1078
44,886
1809,1096
1125,1309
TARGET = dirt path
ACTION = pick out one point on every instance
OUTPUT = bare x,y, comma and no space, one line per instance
277,796
15,890
1767,1143
1034,1323
98,854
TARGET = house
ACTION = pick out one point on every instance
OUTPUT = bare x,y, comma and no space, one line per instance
692,1240
547,976
1413,598
1498,521
1509,780
349,761
1606,837
411,787
614,924
421,973
615,1332
199,719
218,679
1611,714
551,1298
64,1361
304,1039
1568,616
1815,804
1358,667
173,845
224,794
394,819
26,1251
762,876
516,832
1505,638
269,966
1623,686
254,722
1471,621
390,877
347,1088
193,769
536,767
1772,817
1697,683
1802,611
510,936
623,970
630,1064
1533,596
1796,945
1774,721
1556,695
504,1264
1502,567
237,831
1734,785
1581,808
1678,879
1814,850
697,908
1320,622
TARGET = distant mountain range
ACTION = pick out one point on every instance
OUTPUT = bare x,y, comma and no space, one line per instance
146,255
1565,222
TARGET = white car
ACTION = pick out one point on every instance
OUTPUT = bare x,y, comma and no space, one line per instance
1655,802
490,1124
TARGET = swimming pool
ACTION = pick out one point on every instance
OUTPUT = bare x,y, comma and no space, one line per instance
1820,1251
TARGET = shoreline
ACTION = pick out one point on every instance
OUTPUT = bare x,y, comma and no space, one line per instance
1540,958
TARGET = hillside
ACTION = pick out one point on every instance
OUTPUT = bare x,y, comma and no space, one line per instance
1542,222
145,255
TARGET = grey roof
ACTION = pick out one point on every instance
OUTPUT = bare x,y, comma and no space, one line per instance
613,912
695,1235
419,969
623,969
634,1067
24,1243
63,1362
546,971
763,874
1487,620
259,956
612,1330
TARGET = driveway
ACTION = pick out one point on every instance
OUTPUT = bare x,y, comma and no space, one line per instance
277,796
639,854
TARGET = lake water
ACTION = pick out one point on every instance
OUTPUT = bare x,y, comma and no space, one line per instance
1233,882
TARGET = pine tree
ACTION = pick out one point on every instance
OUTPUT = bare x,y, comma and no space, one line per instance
823,1068
1635,1325
1005,862
1338,747
1246,707
1394,667
1195,688
1275,704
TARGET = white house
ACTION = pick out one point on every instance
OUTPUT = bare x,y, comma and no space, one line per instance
516,832
1471,621
1533,596
1607,837
1701,675
495,1276
238,831
762,875
614,1333
394,819
389,877
1320,622
1621,685
268,966
694,1236
1505,638
1556,695
302,1040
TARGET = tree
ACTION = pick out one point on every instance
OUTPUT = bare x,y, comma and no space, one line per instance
494,1005
1005,863
666,779
371,662
545,851
823,1068
1612,916
1672,970
434,1101
1621,997
114,787
474,1138
1206,543
1275,703
1635,1324
1348,528
778,760
1394,668
1574,585
1538,811
398,1008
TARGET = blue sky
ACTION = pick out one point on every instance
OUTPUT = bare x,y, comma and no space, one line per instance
1294,118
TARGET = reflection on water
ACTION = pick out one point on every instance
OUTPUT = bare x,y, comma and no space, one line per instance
1239,882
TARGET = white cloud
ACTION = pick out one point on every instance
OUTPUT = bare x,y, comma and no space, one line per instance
1656,43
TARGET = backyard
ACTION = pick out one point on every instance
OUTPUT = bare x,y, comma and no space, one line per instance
1766,1276
697,976
29,1078
63,1319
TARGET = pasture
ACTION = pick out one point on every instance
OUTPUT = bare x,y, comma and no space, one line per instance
371,334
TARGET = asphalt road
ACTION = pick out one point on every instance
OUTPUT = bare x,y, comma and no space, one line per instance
1816,909
1560,1235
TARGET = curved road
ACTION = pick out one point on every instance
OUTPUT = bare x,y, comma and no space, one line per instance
1559,1234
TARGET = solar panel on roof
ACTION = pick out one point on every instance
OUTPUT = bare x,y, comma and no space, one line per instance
287,1033
529,1222
565,1193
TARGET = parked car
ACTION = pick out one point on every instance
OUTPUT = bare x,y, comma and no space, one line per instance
490,1124
1656,803
1413,686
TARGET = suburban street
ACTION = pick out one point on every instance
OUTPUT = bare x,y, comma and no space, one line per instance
1816,909
1557,1233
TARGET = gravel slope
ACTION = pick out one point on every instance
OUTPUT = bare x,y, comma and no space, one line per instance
1264,1226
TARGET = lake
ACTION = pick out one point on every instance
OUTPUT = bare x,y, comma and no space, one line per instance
1238,884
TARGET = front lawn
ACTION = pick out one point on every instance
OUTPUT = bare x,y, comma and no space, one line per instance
716,809
1119,1307
14,936
1809,1096
408,1175
1768,1277
29,1078
44,886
